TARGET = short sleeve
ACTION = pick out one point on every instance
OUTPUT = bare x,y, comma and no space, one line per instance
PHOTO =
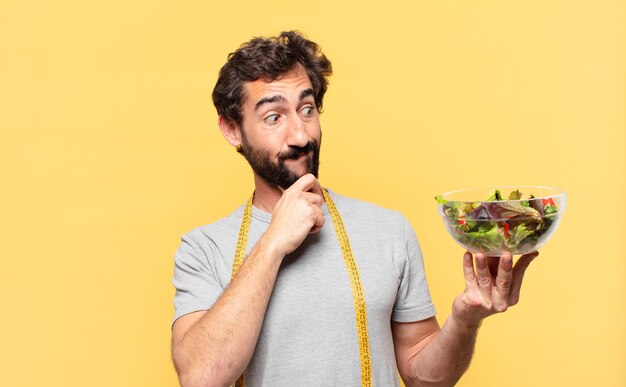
413,302
196,286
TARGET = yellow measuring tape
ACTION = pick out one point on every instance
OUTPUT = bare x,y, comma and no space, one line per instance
360,309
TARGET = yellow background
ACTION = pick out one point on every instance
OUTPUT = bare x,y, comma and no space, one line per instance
109,151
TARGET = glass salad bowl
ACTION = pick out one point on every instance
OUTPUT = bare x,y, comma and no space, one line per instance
495,220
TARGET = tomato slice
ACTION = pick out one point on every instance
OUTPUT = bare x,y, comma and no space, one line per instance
506,230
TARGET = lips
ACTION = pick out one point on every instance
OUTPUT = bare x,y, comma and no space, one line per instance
294,153
299,155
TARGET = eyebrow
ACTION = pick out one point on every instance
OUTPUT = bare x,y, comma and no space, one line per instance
305,93
279,98
272,99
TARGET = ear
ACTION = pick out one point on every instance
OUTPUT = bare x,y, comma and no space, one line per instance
230,131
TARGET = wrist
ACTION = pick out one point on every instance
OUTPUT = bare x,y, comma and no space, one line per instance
270,248
463,325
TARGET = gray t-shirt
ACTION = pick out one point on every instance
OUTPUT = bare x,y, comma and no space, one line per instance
309,333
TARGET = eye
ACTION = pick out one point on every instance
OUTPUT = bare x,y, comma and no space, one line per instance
272,119
307,111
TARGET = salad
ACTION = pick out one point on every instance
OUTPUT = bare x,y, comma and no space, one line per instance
497,225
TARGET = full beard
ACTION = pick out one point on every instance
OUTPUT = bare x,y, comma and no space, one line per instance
277,173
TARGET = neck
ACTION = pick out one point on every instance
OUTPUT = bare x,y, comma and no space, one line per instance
265,195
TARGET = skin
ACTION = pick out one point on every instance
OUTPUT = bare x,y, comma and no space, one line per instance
212,348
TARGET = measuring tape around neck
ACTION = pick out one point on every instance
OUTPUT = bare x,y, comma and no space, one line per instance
360,310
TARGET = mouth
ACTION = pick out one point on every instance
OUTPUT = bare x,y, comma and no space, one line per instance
302,154
298,161
297,156
297,152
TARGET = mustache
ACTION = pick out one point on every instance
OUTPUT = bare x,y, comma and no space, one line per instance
296,151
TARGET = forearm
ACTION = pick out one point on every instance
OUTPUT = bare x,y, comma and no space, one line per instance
433,357
446,357
216,349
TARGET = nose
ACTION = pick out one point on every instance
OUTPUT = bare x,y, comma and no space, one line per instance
297,134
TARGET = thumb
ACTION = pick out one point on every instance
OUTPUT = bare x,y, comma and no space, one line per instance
306,183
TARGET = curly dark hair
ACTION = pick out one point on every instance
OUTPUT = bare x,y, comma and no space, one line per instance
268,58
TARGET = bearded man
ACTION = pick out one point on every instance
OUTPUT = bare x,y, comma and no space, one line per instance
302,286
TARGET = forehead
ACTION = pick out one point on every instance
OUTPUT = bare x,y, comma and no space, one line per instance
288,85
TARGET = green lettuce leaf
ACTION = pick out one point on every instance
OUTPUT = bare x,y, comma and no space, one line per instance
496,196
486,240
440,200
518,234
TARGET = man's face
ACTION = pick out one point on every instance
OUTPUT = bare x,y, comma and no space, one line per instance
281,133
